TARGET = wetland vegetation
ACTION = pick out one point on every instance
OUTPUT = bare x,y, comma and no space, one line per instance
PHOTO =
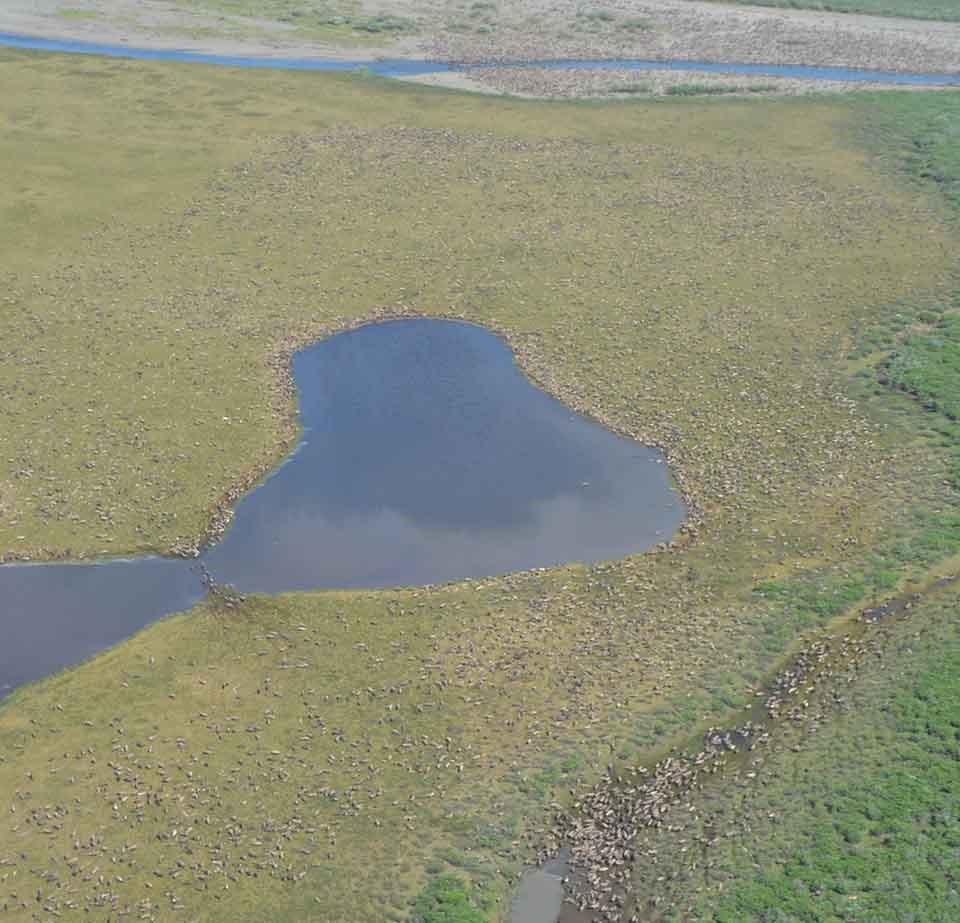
911,9
329,19
426,457
366,755
851,815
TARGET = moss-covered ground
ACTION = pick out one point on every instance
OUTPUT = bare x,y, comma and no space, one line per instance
696,274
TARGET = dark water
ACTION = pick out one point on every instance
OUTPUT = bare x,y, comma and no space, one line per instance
387,67
539,896
426,457
55,615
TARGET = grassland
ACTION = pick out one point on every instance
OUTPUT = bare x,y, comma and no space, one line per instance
76,13
717,89
851,816
694,274
945,10
326,19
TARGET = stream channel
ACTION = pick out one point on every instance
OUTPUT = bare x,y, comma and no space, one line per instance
411,67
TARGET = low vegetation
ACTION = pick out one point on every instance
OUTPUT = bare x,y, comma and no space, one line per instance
77,13
632,88
694,275
851,815
913,9
927,365
323,19
450,899
717,89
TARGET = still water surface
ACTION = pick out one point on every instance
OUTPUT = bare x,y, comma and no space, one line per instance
426,457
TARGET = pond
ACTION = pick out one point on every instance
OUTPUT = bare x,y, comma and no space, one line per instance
426,457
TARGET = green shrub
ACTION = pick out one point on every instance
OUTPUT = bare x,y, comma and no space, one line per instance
450,899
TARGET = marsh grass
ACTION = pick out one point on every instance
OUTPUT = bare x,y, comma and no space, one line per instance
919,139
927,365
631,89
689,274
858,820
855,821
593,15
717,89
450,899
77,13
605,21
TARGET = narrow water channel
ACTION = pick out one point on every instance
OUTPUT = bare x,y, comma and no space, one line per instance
410,67
426,457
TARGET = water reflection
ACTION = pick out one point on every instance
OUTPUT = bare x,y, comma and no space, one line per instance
426,457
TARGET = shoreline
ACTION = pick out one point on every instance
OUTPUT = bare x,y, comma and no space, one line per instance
556,78
285,407
669,30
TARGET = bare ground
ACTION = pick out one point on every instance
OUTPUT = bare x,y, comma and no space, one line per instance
624,83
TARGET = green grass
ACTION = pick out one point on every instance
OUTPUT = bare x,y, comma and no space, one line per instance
603,21
688,272
914,9
325,19
927,365
450,899
597,15
918,342
631,89
77,13
919,137
855,822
